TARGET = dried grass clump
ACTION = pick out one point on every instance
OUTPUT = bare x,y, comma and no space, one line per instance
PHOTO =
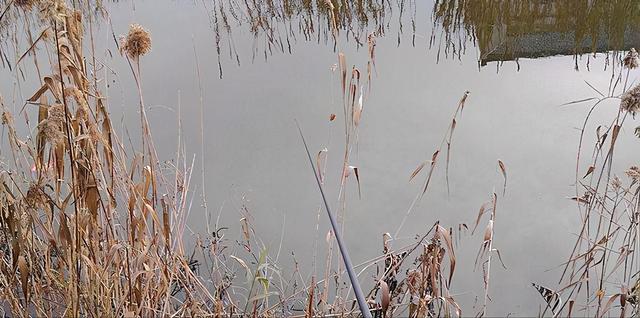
616,183
25,4
35,197
631,61
137,42
631,100
53,9
68,246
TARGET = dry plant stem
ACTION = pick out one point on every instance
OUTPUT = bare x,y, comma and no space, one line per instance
202,153
422,191
72,160
362,303
487,278
602,243
577,175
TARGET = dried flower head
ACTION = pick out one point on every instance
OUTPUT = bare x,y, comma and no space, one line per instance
631,61
616,183
634,173
7,118
631,100
137,42
56,113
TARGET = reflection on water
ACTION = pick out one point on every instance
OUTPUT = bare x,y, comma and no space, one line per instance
502,30
276,25
508,30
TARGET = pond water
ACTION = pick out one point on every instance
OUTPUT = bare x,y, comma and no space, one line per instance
520,67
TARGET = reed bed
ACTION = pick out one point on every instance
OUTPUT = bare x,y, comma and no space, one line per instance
91,227
600,275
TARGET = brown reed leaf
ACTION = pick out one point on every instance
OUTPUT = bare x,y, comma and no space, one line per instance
434,157
570,310
245,229
342,62
320,162
243,264
488,232
312,288
482,210
23,267
443,234
589,171
166,222
503,170
614,136
33,45
607,306
385,298
417,170
455,305
355,171
357,113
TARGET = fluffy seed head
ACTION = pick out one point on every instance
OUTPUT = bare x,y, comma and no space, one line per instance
631,100
616,183
137,42
56,113
51,128
634,173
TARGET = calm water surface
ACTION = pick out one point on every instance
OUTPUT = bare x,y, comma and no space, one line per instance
255,165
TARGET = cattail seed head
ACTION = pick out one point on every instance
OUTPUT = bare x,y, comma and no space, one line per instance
137,42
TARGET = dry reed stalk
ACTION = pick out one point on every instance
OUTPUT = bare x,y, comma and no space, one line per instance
608,233
81,262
